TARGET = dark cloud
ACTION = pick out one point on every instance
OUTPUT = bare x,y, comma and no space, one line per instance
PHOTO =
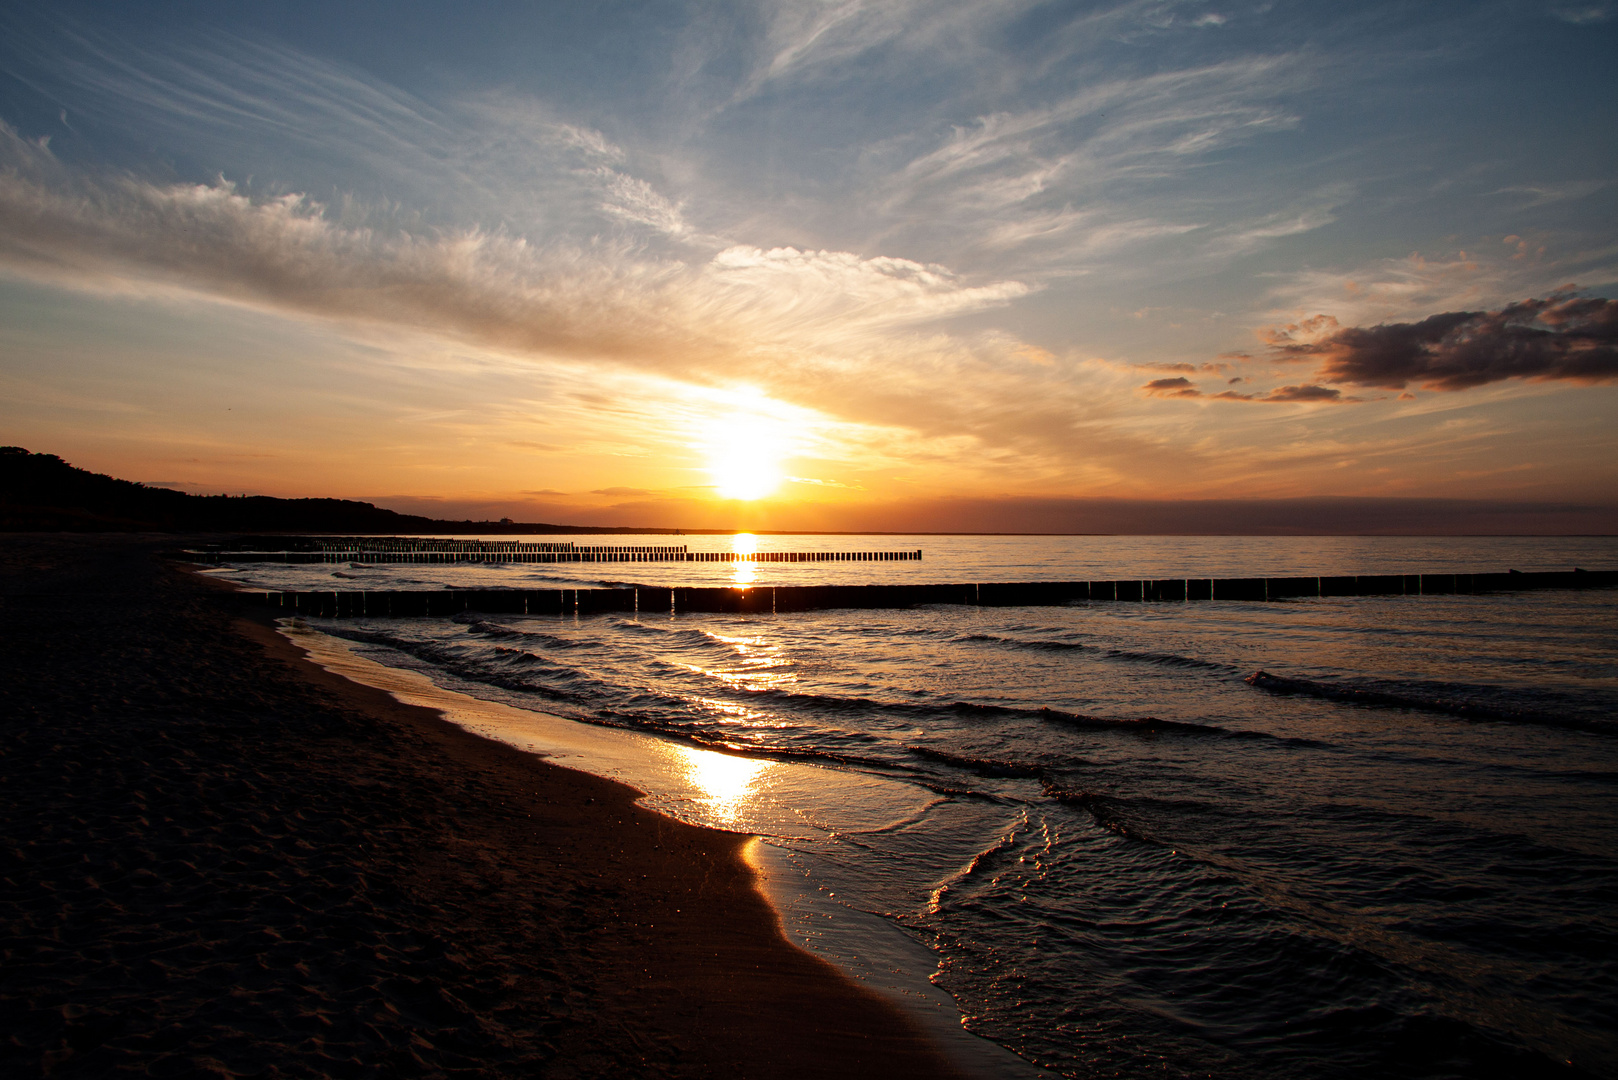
1175,387
1189,369
1564,336
1303,393
1183,388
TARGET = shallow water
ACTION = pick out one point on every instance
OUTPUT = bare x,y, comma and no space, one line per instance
1124,858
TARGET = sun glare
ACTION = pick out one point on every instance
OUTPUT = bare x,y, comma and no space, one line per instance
726,784
744,456
744,571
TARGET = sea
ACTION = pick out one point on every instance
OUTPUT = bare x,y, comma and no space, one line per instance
1086,828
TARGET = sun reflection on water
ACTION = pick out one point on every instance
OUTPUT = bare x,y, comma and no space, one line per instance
745,570
758,663
725,784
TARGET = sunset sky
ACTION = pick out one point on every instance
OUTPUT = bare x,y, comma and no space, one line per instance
815,264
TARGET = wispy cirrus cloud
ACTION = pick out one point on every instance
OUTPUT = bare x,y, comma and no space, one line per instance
812,39
1546,193
1412,287
490,287
1043,182
488,158
1584,14
1044,152
816,39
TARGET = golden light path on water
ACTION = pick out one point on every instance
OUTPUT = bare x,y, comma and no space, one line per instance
725,784
746,570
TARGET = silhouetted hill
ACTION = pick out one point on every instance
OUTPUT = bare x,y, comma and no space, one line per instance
41,492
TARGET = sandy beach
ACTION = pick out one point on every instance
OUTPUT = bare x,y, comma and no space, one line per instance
220,859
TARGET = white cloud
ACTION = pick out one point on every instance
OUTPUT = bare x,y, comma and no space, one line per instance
814,289
635,200
1582,14
1544,194
1406,289
805,37
1059,186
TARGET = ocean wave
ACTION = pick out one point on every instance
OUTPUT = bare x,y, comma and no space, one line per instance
1466,706
1135,655
717,741
984,859
1106,810
484,627
524,670
950,791
681,636
565,684
1039,644
1143,723
1167,660
614,704
986,767
824,703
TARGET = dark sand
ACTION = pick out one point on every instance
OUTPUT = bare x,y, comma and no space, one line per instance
217,858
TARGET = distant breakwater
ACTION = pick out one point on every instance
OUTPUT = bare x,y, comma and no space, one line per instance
510,551
768,599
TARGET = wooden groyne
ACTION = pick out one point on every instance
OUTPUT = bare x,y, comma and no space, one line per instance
511,551
784,598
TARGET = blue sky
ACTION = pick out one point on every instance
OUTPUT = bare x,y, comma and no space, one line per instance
595,262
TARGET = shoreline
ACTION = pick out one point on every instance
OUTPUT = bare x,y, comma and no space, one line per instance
865,950
223,856
733,859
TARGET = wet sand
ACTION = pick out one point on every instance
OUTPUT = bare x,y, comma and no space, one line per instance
219,858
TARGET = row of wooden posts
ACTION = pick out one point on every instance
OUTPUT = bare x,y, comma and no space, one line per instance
346,545
577,555
782,598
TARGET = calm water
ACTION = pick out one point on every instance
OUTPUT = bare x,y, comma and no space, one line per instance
1125,859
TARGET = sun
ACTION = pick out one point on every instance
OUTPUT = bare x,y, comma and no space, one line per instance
744,456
